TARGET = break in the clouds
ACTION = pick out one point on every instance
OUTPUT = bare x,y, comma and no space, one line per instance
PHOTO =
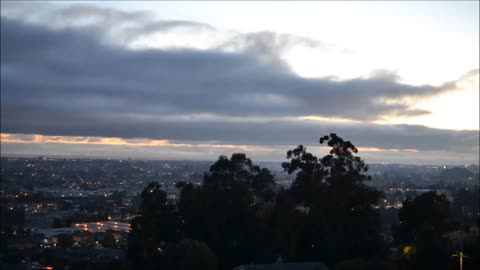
63,79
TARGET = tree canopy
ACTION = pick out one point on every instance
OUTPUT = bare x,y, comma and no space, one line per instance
424,221
340,220
239,215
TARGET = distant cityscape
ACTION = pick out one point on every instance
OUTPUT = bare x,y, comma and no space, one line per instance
87,204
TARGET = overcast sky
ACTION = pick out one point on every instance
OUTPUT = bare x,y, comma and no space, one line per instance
190,80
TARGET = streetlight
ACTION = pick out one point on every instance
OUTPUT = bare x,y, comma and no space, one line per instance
460,254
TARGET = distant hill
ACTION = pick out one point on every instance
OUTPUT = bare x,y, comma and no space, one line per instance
456,176
473,168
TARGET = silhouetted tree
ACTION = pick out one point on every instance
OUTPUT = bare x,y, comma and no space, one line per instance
284,222
340,221
423,223
157,225
225,212
427,214
465,204
190,255
327,214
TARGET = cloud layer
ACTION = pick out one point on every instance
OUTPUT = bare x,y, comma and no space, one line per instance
68,81
66,64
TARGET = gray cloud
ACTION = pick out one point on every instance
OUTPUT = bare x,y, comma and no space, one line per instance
120,24
106,23
271,45
70,83
268,132
267,42
125,28
66,66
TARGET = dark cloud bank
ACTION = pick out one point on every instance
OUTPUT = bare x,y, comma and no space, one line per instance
67,82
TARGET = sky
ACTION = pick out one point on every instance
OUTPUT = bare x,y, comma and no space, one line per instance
195,80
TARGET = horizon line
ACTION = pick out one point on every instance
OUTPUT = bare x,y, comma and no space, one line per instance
86,157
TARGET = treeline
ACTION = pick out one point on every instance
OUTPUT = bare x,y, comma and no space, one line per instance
239,216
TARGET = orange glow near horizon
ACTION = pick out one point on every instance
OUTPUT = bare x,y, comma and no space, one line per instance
141,142
329,119
116,141
376,149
